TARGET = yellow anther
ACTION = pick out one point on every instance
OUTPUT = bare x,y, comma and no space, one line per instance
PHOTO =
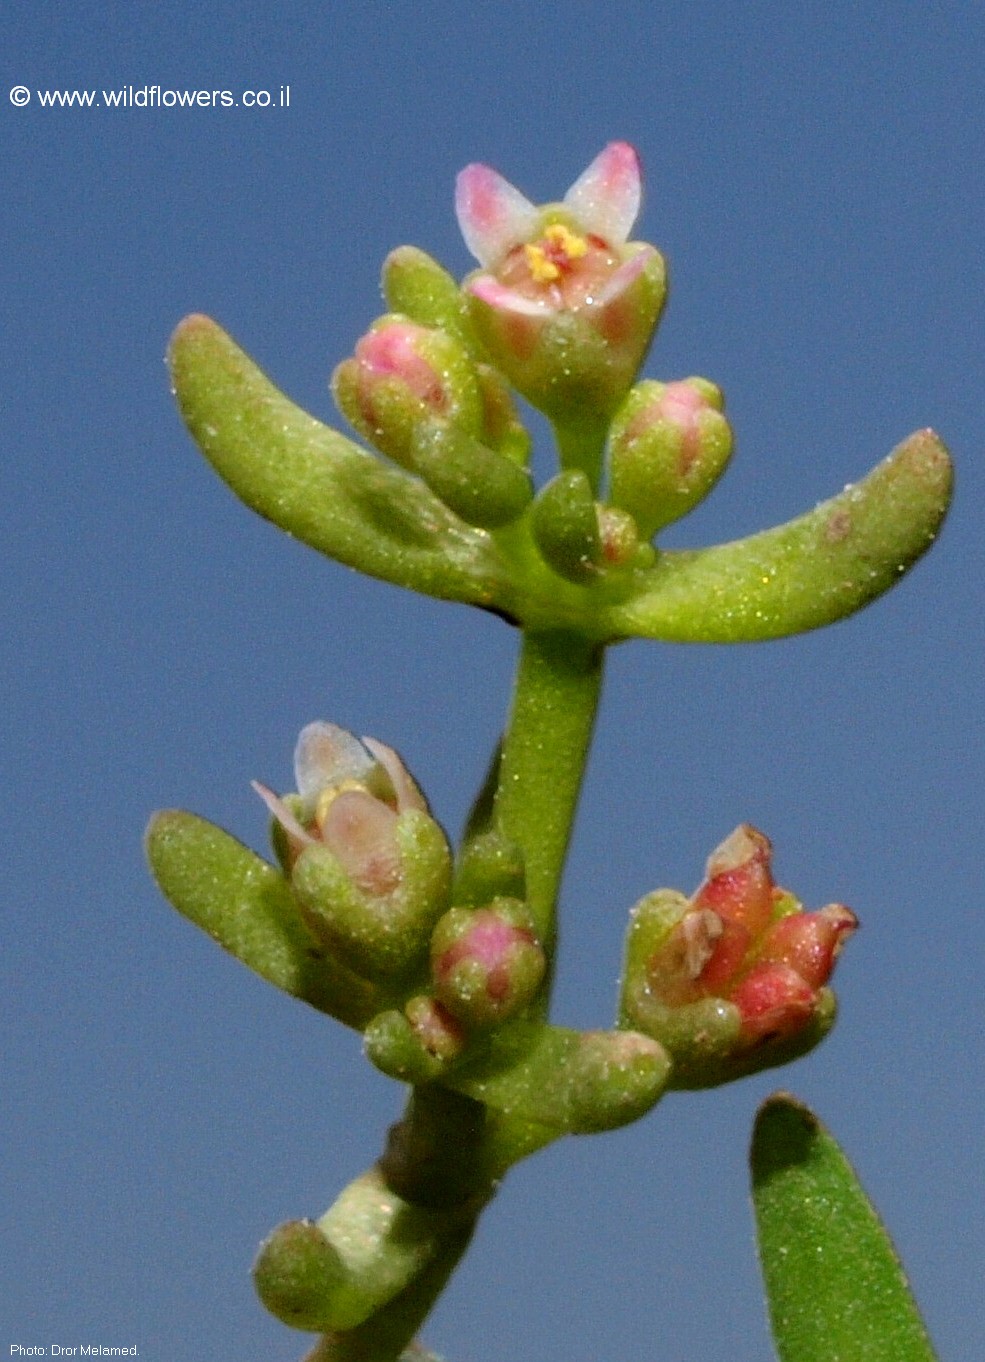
329,795
566,242
542,269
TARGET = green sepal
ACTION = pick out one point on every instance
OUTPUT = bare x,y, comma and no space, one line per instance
416,285
481,486
810,572
835,1286
393,1046
380,936
247,906
298,1275
316,484
565,526
502,428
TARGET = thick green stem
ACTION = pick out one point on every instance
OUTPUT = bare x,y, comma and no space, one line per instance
544,752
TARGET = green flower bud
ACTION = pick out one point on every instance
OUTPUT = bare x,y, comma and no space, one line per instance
481,486
489,866
565,527
297,1275
669,444
416,1045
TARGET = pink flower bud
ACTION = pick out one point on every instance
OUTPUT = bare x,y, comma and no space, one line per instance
668,446
401,375
486,962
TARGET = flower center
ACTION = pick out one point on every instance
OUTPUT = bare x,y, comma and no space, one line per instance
560,269
555,253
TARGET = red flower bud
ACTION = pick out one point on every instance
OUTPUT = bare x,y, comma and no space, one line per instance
737,968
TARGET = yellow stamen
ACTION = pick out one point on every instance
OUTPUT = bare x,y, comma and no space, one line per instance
543,270
329,795
566,242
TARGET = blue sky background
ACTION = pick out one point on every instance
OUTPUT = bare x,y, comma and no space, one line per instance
814,176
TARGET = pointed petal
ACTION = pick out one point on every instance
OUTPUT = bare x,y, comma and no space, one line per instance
606,197
493,215
407,792
326,755
282,813
627,274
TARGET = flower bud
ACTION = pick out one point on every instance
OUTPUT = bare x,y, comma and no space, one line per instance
297,1275
565,527
370,867
619,540
490,865
668,446
481,486
401,375
416,1045
733,979
486,963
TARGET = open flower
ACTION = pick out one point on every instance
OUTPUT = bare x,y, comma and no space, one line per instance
565,305
369,865
350,792
735,977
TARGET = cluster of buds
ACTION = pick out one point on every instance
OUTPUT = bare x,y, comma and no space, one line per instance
486,967
418,395
563,308
371,873
732,979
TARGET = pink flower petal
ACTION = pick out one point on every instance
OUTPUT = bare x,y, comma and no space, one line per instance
504,299
326,755
621,279
283,814
360,831
493,215
606,197
405,787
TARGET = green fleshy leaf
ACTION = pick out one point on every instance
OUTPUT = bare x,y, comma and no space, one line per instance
836,1288
810,572
316,484
247,906
565,1082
